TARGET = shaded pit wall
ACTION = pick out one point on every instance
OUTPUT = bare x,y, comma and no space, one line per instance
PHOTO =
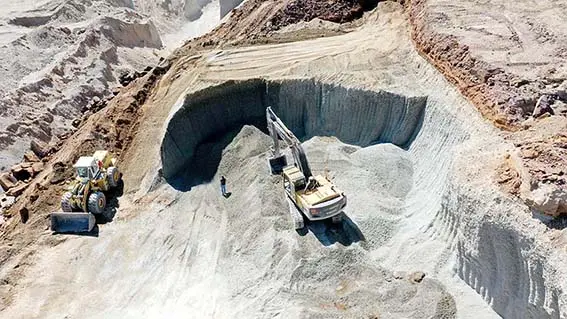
307,107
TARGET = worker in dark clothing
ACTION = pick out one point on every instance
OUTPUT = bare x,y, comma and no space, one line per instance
223,185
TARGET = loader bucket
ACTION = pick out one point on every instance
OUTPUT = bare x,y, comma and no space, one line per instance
62,222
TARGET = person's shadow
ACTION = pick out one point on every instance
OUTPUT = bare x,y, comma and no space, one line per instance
227,194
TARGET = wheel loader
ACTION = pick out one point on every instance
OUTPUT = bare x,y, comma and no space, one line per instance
316,197
85,196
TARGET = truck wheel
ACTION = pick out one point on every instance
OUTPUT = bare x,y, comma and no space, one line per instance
66,204
97,202
113,176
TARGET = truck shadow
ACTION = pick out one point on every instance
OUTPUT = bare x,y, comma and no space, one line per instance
328,233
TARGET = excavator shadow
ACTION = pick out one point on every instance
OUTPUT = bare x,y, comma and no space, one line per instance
328,233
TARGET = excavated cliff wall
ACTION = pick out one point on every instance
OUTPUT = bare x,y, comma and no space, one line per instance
308,108
490,251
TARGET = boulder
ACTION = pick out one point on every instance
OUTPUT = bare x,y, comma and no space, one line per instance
7,181
417,277
31,157
25,165
24,214
17,190
543,106
39,148
548,199
7,201
37,167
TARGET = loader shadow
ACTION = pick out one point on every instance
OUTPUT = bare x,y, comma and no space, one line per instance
112,204
93,233
328,233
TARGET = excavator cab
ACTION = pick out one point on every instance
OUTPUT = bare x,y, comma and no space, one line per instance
294,180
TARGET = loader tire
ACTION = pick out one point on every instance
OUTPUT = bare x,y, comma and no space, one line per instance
97,202
66,205
113,176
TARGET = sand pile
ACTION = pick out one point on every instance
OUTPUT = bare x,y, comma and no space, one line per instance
66,55
235,257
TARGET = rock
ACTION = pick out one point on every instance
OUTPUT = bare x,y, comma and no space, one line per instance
7,201
560,107
25,165
398,274
520,82
37,167
24,214
31,157
76,123
47,117
417,276
39,148
17,190
548,199
543,106
7,181
529,153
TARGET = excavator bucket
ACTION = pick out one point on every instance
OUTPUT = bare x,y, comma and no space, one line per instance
62,222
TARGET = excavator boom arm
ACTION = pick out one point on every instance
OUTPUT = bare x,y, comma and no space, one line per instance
278,130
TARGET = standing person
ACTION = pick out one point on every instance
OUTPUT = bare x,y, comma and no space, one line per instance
223,185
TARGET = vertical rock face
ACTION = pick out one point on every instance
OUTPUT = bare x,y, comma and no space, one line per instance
499,261
308,108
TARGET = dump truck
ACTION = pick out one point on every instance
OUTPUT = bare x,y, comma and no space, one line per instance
85,196
314,197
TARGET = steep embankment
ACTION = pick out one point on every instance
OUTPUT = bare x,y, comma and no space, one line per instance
67,55
508,59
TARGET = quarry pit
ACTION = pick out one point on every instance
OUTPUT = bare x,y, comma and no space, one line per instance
428,233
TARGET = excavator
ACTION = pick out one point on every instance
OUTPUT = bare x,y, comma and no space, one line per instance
314,197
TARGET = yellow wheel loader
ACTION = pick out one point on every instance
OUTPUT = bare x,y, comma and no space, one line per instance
85,196
316,197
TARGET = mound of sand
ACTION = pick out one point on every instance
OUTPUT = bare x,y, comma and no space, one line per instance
64,53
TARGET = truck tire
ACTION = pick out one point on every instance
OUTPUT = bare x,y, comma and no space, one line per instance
113,176
66,204
97,202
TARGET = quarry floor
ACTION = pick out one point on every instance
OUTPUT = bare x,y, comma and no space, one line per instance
432,207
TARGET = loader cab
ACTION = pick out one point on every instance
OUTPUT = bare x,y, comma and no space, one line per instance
86,167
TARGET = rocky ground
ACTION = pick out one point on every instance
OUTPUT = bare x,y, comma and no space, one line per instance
509,59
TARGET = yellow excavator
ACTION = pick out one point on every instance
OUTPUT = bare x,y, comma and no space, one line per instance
316,197
85,196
